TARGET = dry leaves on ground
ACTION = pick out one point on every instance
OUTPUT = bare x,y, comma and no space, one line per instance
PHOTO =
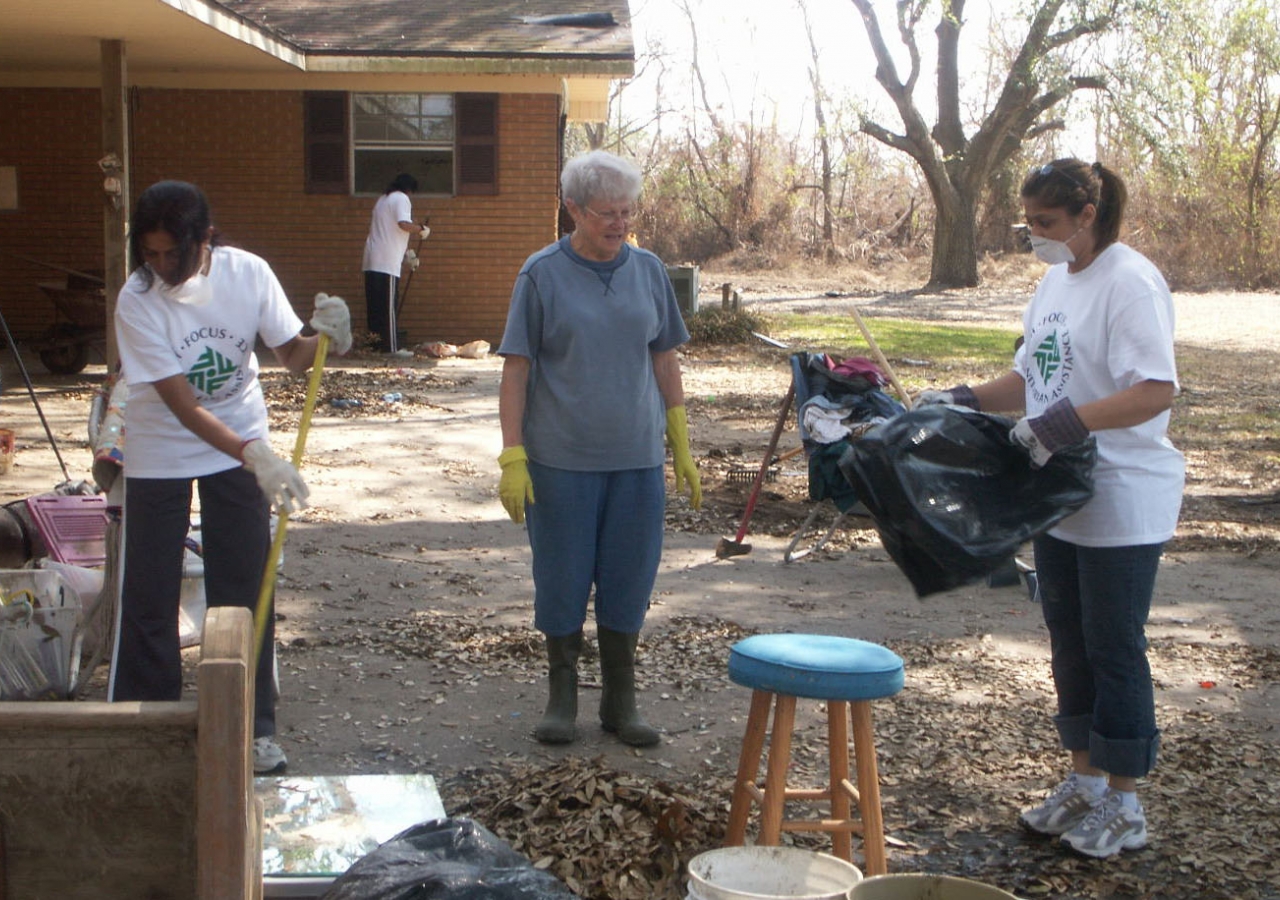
962,749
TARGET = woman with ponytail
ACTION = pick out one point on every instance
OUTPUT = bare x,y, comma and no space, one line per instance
1097,358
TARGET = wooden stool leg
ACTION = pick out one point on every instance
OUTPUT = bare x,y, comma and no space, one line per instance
838,753
748,768
775,779
864,748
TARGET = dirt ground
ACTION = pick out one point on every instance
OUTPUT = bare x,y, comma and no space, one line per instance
405,642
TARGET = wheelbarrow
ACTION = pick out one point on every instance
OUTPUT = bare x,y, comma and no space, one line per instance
79,323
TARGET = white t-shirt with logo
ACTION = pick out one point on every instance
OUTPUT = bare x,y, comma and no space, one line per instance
212,345
385,246
1088,336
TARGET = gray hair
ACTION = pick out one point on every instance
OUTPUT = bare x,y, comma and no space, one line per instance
600,175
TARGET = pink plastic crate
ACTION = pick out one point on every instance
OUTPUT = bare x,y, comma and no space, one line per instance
74,527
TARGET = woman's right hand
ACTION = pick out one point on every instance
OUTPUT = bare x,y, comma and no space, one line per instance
516,487
960,395
277,477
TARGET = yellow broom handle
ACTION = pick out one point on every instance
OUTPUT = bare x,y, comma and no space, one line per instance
880,358
282,520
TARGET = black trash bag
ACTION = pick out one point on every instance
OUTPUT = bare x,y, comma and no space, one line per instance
953,497
445,859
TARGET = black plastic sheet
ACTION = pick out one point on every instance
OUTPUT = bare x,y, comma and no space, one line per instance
953,498
446,859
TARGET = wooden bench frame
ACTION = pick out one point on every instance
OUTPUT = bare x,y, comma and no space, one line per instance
143,799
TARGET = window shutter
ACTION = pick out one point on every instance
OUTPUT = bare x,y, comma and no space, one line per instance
325,142
477,143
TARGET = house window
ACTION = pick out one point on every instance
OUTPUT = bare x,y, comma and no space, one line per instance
360,142
394,133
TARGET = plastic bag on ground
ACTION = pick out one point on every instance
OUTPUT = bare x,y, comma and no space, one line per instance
953,498
446,859
438,349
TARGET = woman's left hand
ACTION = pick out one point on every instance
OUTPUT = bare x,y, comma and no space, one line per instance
686,471
332,317
1056,428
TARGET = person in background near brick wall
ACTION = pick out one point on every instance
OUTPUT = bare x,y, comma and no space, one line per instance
187,321
390,228
590,385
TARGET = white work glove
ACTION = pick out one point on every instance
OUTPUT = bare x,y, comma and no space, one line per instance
1057,428
425,232
332,317
960,395
277,477
411,259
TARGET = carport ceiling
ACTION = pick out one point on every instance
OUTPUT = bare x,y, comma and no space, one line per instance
42,38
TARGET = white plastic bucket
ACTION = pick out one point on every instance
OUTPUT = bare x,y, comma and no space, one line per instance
917,886
754,873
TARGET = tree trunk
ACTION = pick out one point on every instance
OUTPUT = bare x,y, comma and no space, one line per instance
955,246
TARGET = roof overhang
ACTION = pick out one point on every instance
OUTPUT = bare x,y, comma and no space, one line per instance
200,44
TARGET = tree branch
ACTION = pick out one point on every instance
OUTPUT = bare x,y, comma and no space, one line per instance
948,132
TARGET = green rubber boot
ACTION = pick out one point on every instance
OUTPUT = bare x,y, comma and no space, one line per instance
618,698
557,724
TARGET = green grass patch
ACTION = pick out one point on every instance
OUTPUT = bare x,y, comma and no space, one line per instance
927,351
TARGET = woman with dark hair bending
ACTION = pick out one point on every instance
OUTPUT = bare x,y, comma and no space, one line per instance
390,227
187,321
1097,358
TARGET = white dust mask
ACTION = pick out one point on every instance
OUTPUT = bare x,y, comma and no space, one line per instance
1050,251
195,291
1053,252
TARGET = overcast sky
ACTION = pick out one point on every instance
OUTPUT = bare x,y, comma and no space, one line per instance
756,53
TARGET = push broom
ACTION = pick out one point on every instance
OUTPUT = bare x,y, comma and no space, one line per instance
282,519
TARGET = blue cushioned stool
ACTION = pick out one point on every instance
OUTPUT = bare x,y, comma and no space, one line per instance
848,674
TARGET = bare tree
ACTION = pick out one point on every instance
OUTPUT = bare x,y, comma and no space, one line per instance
1197,109
822,136
723,167
956,166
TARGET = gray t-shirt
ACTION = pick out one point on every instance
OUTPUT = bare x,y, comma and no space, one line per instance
589,330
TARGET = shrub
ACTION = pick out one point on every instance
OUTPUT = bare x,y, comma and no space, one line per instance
716,325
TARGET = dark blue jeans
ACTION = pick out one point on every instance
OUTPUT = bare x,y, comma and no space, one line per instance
1096,601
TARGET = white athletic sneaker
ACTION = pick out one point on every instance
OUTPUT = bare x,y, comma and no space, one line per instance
1062,810
1110,828
267,756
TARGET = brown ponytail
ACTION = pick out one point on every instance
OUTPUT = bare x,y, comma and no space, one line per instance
1071,184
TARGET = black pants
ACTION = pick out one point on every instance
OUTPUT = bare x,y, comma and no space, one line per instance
235,528
380,290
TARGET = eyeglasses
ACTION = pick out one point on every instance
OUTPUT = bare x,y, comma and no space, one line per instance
613,215
1049,169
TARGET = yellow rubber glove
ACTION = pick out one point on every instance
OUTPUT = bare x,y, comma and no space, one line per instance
516,487
686,470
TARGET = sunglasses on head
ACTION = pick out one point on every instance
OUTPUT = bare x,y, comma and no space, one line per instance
1050,169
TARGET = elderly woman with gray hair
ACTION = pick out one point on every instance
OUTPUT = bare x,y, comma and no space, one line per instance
591,384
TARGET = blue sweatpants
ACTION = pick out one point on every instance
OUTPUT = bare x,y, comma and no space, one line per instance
601,529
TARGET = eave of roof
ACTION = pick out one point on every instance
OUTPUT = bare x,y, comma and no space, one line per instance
443,28
175,40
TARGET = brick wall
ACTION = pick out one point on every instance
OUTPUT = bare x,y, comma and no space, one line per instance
244,148
54,139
